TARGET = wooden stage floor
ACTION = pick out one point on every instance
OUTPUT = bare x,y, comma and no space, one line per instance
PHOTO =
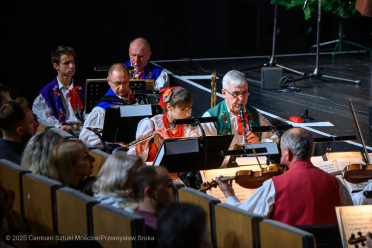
326,99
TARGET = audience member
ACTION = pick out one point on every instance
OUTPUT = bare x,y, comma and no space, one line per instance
183,225
18,125
60,102
153,188
176,104
114,180
72,164
139,55
4,94
118,94
37,153
304,195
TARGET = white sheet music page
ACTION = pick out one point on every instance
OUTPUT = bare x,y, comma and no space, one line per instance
354,219
327,166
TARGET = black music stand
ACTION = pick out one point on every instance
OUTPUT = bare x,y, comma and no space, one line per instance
251,150
192,154
330,140
272,59
121,121
318,71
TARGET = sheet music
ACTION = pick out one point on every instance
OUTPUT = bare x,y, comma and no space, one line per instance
354,219
241,193
327,166
353,187
345,158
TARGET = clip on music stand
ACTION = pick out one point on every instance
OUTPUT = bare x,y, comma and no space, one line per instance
121,121
192,154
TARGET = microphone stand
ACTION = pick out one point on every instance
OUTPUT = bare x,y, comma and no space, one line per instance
318,71
272,60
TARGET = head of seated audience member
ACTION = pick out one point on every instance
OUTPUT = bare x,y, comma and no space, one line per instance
4,94
114,180
183,225
71,164
17,121
37,153
154,189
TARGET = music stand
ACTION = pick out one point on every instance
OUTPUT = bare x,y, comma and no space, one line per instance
121,121
331,139
192,154
272,60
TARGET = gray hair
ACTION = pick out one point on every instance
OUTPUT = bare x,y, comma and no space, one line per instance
38,150
236,78
115,172
299,142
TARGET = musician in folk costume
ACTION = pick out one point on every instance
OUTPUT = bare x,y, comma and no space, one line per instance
118,94
60,102
176,103
235,91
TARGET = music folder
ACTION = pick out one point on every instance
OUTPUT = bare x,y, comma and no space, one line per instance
193,153
120,124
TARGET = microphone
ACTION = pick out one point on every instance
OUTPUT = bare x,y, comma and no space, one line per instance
305,5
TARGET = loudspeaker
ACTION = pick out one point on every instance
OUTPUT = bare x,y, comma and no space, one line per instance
270,77
370,119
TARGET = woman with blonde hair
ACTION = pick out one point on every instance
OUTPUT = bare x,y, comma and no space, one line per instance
114,180
37,153
71,164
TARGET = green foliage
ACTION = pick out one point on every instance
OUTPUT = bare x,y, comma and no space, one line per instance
340,8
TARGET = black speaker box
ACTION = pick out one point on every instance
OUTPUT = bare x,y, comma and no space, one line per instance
270,77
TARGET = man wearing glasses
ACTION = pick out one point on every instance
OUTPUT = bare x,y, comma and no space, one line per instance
118,94
236,93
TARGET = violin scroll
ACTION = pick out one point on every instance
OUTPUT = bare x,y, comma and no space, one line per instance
356,240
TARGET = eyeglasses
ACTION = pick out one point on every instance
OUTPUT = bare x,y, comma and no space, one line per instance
235,95
117,84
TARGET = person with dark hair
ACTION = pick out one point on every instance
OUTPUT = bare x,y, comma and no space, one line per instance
176,103
18,125
303,195
183,225
118,94
4,94
139,55
61,102
153,188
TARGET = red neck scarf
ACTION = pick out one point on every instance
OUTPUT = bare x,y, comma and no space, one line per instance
180,133
75,99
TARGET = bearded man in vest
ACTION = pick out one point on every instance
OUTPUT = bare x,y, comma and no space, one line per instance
303,195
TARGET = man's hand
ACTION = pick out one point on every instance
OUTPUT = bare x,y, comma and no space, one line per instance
66,128
226,187
252,138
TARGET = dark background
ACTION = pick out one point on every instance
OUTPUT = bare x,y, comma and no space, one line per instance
100,32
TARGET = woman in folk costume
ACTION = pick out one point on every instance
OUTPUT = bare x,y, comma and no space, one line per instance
176,103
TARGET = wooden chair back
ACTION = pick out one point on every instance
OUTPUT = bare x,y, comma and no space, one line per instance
100,158
277,234
114,222
236,227
74,212
207,202
40,208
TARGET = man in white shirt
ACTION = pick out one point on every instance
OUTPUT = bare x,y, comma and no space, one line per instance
61,102
118,94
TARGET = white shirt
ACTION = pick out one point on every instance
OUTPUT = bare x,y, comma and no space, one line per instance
261,202
360,199
145,127
162,80
41,108
95,119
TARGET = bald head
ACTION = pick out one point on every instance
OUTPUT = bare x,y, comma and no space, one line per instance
139,53
299,141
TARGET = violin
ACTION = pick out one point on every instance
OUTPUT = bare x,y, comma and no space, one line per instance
355,240
358,173
247,178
